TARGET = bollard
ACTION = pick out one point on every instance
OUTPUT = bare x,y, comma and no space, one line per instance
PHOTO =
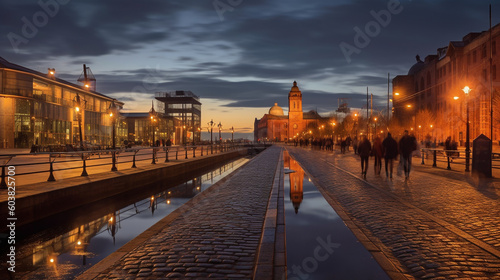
449,167
186,150
166,155
84,172
201,150
3,184
154,158
176,154
113,168
133,161
194,152
422,154
51,175
434,163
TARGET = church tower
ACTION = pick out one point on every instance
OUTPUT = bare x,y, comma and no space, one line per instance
295,115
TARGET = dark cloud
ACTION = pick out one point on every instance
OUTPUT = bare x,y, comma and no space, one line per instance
263,43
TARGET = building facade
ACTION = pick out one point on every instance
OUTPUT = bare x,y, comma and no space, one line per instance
436,84
276,126
140,128
40,109
186,107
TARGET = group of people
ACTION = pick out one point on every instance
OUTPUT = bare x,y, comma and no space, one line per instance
388,149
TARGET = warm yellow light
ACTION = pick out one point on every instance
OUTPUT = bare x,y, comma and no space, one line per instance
111,219
77,109
411,128
466,89
51,72
168,201
110,114
197,188
409,105
355,115
79,242
152,198
169,192
51,260
87,85
322,126
397,93
381,131
419,126
431,125
456,97
375,119
310,132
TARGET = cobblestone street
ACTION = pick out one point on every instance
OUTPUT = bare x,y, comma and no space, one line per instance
215,235
432,226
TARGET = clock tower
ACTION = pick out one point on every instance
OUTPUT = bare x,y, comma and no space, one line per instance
295,115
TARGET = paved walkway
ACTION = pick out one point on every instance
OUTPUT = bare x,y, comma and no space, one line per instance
215,235
435,225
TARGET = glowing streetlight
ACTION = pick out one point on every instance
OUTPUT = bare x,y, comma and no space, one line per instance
467,90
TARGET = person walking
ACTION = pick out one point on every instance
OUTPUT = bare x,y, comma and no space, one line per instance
390,151
364,149
378,152
407,145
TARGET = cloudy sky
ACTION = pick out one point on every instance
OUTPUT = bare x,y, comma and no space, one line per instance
239,56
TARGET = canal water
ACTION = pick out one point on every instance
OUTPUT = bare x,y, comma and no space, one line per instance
319,245
71,243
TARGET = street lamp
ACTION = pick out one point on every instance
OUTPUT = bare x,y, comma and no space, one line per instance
375,120
220,128
153,117
211,124
113,113
232,135
467,90
79,112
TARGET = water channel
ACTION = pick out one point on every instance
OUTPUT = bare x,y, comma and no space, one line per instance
319,245
64,246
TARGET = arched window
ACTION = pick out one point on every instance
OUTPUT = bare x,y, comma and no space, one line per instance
293,105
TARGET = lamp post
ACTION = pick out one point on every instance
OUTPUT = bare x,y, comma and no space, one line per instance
113,112
220,128
232,135
375,120
467,90
153,116
356,124
78,110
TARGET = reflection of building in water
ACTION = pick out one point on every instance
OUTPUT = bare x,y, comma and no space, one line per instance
296,181
73,241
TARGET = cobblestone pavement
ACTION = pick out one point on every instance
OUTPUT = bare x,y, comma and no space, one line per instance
439,227
216,237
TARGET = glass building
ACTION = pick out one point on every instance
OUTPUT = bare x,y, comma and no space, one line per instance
40,109
141,129
186,107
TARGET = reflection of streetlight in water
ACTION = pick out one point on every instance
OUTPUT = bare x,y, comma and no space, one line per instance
112,228
296,182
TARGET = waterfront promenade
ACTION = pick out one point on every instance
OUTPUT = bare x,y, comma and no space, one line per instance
439,224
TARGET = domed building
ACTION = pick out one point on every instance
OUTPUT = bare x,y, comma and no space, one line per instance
276,126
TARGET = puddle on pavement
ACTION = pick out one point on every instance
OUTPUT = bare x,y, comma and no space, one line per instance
63,250
319,245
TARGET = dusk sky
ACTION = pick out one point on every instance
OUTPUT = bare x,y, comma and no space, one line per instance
239,56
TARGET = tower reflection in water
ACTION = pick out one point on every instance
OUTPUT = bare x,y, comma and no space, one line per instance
296,174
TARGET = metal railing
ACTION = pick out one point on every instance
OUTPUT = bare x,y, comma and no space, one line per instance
98,158
452,157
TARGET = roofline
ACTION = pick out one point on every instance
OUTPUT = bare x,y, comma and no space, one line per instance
59,81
